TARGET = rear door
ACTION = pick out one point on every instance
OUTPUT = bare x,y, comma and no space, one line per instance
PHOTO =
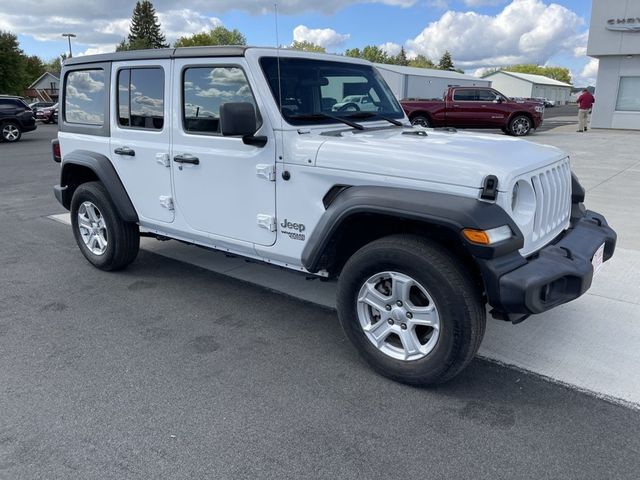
140,135
462,108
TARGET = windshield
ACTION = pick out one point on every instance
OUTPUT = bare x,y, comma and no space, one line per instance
311,87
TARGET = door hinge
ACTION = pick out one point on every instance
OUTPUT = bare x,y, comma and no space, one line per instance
267,221
267,171
163,159
166,202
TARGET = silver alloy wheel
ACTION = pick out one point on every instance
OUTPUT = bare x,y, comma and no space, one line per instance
420,122
398,316
10,132
92,228
521,126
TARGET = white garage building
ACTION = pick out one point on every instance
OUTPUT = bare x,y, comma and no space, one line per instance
614,39
427,83
527,85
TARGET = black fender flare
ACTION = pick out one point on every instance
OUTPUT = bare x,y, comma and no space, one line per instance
102,167
449,211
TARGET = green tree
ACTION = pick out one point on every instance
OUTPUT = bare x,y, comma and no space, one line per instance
34,67
55,65
144,31
306,46
421,61
400,58
353,52
217,36
12,65
446,63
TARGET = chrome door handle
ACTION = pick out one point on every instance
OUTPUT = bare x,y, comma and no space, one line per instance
186,158
125,151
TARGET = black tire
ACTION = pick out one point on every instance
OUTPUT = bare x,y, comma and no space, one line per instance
457,298
520,126
123,238
421,121
10,132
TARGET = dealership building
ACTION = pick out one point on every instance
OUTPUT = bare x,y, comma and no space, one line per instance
527,85
614,39
427,83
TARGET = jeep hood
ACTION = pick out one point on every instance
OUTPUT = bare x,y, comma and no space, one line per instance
457,158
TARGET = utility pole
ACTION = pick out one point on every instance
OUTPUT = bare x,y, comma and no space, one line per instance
69,36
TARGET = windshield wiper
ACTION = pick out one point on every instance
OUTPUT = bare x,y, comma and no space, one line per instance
320,115
377,115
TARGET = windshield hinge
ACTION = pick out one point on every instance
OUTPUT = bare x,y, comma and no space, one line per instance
166,201
266,221
267,171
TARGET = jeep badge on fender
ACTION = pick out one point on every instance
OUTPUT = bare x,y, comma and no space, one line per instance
394,212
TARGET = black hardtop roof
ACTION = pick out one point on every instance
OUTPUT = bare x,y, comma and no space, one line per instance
160,53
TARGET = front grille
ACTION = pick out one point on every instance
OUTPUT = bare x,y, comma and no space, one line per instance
553,200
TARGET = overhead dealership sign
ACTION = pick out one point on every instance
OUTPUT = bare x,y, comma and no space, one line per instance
631,24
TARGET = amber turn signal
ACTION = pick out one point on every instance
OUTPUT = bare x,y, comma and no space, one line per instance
476,236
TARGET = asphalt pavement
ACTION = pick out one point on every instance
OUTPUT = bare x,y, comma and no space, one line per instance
167,370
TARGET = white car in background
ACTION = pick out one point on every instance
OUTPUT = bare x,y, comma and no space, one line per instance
356,103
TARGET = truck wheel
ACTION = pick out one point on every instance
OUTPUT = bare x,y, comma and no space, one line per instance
520,126
410,309
107,241
420,121
11,132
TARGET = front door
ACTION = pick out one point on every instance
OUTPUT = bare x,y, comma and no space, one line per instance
140,127
222,186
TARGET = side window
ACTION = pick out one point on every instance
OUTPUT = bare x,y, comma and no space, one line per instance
141,98
85,97
486,95
204,89
464,95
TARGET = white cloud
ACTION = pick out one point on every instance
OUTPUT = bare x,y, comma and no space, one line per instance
588,75
525,31
390,48
180,23
441,4
325,37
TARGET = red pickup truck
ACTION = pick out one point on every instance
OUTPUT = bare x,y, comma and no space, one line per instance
475,107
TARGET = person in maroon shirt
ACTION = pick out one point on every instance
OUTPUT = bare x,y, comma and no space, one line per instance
585,102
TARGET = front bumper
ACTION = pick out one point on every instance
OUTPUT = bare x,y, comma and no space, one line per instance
558,273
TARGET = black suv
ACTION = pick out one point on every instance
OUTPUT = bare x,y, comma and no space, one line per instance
15,117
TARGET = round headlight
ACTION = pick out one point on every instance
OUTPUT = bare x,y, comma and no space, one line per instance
523,202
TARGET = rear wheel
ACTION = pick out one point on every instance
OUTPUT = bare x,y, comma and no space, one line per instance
410,310
420,121
11,132
107,241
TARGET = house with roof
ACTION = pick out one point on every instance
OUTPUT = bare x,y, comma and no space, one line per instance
425,83
45,88
527,85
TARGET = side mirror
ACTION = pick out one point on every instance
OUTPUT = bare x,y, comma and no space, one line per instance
238,119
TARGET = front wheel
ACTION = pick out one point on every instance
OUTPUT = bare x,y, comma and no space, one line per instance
107,241
11,132
410,309
520,126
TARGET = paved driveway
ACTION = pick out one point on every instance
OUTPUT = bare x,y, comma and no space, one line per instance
168,370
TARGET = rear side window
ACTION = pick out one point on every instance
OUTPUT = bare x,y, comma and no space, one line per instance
205,89
85,97
464,95
141,98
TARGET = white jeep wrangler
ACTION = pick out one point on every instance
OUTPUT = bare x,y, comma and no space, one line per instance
239,149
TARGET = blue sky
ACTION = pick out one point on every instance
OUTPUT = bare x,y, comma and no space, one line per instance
479,33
